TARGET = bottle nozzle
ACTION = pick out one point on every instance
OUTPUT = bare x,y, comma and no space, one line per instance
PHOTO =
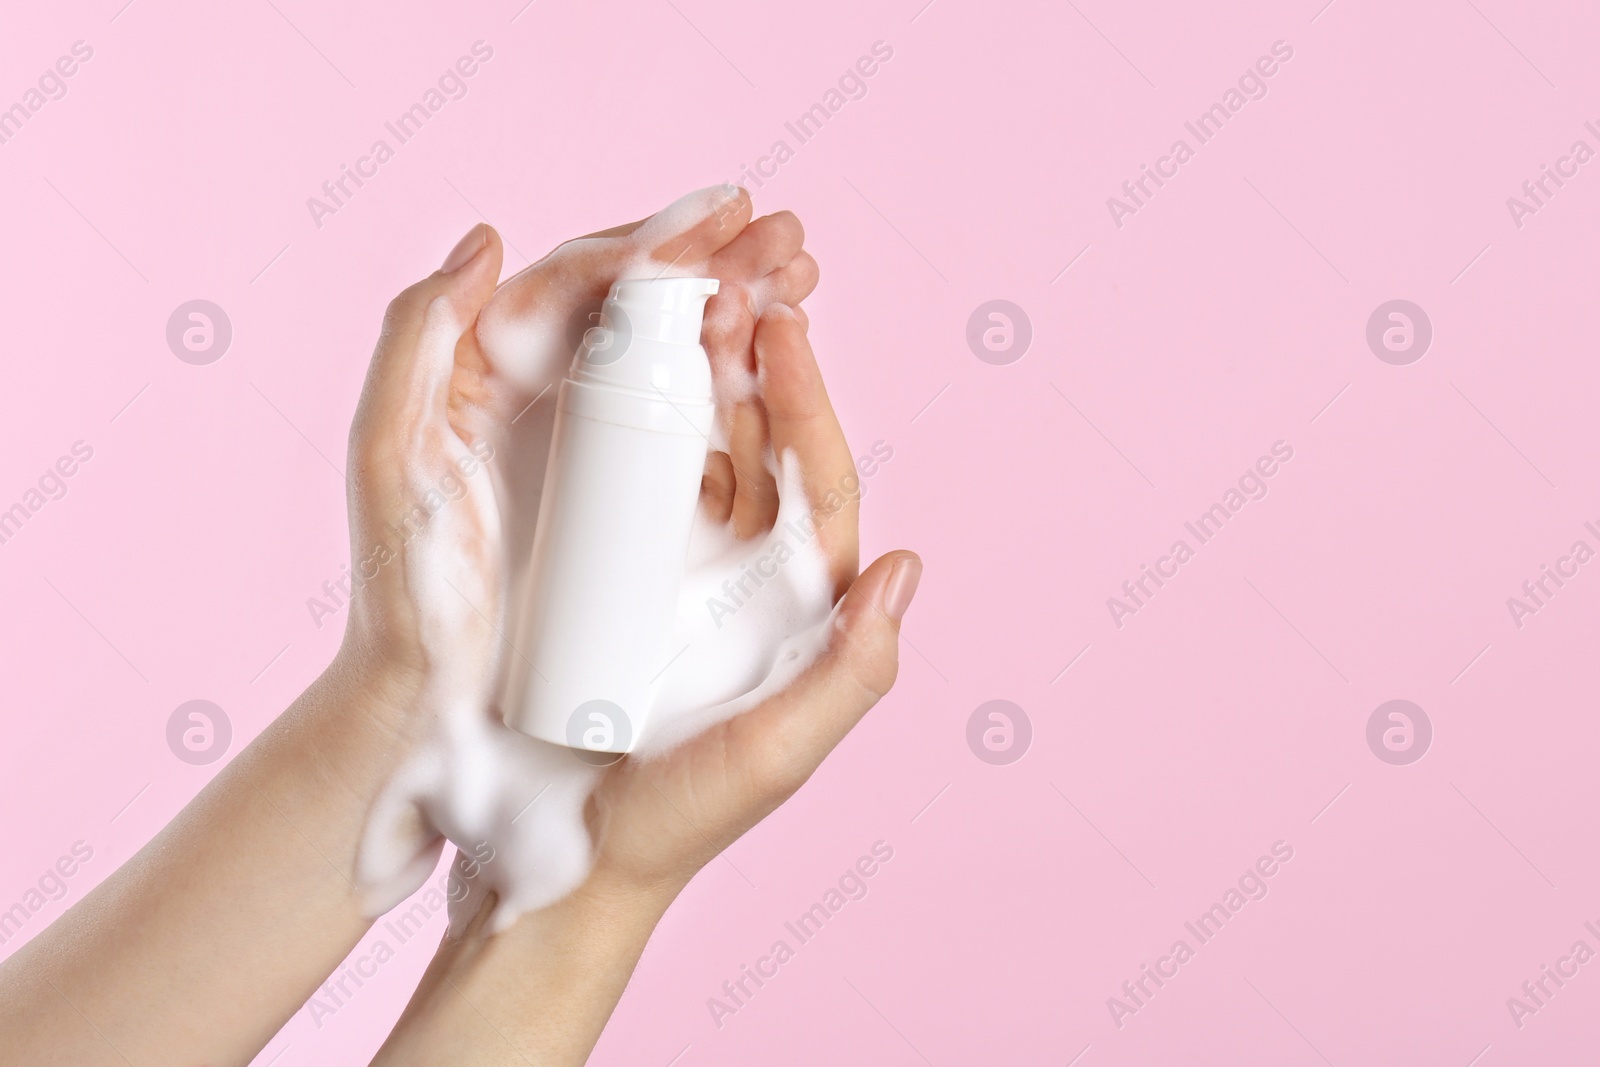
648,338
662,309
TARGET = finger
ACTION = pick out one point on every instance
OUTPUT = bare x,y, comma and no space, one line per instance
409,377
803,427
755,499
794,281
696,227
731,314
717,486
539,314
761,248
730,209
784,739
617,231
730,322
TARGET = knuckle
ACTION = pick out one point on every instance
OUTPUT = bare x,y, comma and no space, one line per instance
874,664
787,223
408,307
807,267
772,771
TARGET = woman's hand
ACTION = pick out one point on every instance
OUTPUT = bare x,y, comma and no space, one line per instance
263,860
658,820
542,990
449,443
427,563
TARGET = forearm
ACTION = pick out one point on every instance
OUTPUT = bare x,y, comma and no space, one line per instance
538,993
201,946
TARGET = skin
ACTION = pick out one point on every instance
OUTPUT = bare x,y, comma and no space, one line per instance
201,947
542,991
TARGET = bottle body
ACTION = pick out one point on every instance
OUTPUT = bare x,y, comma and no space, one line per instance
615,516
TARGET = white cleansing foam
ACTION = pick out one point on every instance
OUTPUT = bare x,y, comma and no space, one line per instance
615,516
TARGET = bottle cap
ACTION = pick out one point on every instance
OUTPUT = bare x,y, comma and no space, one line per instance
648,339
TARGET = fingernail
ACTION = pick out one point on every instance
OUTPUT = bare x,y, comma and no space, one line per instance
465,249
901,587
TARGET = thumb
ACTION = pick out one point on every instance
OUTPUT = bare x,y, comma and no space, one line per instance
792,733
409,377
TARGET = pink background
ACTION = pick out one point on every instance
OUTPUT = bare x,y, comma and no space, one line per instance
1224,316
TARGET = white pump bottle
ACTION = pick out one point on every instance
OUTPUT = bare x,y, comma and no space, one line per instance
618,506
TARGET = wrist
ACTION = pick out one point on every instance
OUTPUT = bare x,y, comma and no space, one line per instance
629,907
349,724
376,687
540,991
